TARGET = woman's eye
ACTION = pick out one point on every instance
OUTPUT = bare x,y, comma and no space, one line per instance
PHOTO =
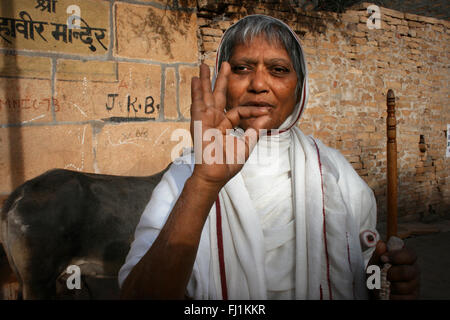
280,70
240,68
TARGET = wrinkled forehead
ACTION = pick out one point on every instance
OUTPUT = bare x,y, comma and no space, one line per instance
246,35
272,39
250,28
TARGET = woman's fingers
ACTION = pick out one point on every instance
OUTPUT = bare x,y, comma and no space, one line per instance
400,273
196,90
405,287
220,87
205,80
380,249
262,123
402,256
201,92
196,97
234,116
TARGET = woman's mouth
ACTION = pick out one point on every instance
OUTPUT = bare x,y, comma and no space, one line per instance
257,104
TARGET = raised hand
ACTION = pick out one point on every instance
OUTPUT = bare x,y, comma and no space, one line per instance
220,158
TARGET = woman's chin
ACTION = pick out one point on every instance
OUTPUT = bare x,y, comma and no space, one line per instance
258,123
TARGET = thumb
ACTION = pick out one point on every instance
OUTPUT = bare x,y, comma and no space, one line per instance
380,250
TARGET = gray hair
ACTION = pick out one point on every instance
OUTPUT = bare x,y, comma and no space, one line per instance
245,30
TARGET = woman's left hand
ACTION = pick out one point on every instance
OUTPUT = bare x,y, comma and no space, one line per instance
404,275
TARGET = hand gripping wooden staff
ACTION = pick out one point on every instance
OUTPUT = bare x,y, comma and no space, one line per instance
394,243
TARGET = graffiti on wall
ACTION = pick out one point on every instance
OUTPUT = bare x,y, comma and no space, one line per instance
44,104
131,105
54,25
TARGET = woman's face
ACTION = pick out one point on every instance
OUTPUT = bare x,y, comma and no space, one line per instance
262,74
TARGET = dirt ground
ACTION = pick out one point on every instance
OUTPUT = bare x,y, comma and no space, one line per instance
434,261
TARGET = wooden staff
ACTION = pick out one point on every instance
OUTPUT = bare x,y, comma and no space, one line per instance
391,166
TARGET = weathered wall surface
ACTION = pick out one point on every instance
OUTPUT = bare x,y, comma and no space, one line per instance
106,98
102,98
437,8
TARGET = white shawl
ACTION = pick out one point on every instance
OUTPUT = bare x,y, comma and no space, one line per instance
331,207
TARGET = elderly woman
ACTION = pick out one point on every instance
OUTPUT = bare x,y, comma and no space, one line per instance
298,223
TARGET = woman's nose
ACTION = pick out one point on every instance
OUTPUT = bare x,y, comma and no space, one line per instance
258,82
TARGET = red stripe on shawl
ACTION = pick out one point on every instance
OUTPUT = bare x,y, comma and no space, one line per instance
324,223
350,265
223,278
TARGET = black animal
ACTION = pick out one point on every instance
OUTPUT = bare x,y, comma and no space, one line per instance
63,218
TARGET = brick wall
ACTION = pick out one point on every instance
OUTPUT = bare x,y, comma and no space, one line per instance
437,8
108,103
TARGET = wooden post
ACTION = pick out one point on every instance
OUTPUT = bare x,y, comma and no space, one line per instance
391,166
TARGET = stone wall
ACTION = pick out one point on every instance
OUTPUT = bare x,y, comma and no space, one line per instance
110,102
437,8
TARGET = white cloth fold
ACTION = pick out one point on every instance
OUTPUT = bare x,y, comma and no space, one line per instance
266,190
